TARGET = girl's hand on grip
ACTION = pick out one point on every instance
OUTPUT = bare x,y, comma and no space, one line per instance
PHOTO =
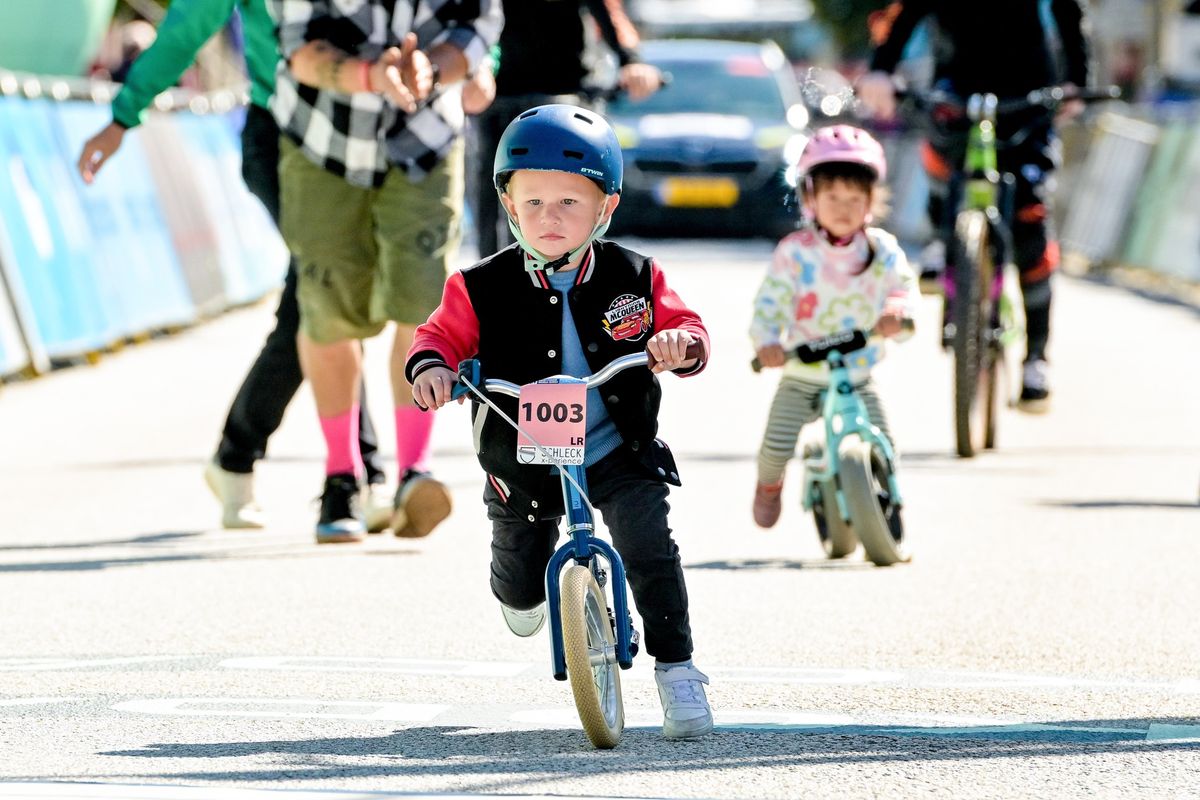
771,355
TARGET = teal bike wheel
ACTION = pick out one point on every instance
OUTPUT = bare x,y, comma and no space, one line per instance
874,515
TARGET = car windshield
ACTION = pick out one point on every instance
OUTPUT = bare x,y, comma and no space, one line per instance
741,85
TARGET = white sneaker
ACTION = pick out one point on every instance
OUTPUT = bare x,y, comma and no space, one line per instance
686,713
524,623
377,506
235,490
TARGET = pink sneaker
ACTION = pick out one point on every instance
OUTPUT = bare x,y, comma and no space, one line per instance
767,504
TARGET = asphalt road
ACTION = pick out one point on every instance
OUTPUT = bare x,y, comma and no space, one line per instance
1043,642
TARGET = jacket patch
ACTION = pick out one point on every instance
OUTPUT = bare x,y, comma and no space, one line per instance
628,318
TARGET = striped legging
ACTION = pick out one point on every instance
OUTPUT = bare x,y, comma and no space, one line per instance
798,402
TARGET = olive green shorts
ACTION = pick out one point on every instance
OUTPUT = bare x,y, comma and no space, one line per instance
367,256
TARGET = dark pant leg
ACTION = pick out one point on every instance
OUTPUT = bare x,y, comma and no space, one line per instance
520,552
634,509
269,387
1034,244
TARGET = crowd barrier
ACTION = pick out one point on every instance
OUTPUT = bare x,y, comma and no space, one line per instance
1134,201
166,235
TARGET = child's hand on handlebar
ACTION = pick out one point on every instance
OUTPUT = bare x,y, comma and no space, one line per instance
669,350
894,319
771,355
431,389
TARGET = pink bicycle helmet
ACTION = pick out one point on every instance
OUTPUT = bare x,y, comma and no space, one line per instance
843,144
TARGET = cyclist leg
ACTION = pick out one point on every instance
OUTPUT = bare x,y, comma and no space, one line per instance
520,552
796,403
1036,251
634,508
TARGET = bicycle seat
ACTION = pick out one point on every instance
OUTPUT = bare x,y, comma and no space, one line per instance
843,342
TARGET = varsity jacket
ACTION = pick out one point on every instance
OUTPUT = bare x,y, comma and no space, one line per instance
511,320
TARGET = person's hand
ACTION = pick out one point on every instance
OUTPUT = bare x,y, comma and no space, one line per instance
479,92
403,74
431,389
891,321
1070,109
640,80
669,350
878,94
98,150
771,355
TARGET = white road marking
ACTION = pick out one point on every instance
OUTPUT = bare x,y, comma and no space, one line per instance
1161,732
35,664
411,666
278,708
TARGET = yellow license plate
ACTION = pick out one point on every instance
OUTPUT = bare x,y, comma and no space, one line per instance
688,192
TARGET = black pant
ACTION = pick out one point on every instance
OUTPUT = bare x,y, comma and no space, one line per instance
634,509
483,135
272,382
1032,162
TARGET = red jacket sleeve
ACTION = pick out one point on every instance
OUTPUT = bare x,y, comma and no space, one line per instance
450,335
671,312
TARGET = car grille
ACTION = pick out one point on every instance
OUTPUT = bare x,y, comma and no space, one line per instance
713,168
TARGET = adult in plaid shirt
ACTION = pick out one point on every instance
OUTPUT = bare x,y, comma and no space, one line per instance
371,180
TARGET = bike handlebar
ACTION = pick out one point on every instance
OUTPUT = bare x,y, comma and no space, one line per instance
1049,97
469,373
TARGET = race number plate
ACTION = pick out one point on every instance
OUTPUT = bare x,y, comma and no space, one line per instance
554,414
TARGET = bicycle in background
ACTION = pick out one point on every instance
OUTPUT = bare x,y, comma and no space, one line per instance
985,319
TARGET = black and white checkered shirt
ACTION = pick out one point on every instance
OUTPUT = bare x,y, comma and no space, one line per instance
361,136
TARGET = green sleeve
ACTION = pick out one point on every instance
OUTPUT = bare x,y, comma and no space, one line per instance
183,31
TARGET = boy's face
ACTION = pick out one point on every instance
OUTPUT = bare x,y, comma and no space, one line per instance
556,211
840,207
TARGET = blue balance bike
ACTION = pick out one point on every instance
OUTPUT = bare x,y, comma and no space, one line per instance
591,634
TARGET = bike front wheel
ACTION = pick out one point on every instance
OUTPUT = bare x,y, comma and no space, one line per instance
874,514
976,371
589,646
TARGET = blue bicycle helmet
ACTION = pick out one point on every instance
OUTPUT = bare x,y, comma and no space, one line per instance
560,138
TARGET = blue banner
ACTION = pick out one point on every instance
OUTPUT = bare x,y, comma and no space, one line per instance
130,239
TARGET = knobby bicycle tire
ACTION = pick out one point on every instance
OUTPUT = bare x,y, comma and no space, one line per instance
975,366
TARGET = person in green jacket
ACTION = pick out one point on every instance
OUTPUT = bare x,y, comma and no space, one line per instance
274,378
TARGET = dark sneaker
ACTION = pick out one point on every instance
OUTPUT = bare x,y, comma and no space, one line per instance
767,504
341,513
1035,387
422,503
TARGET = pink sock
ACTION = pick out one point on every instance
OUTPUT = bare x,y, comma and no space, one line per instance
413,429
341,443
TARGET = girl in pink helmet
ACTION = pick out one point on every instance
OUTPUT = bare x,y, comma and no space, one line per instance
835,273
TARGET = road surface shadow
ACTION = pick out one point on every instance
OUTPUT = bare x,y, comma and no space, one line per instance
459,752
1190,505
